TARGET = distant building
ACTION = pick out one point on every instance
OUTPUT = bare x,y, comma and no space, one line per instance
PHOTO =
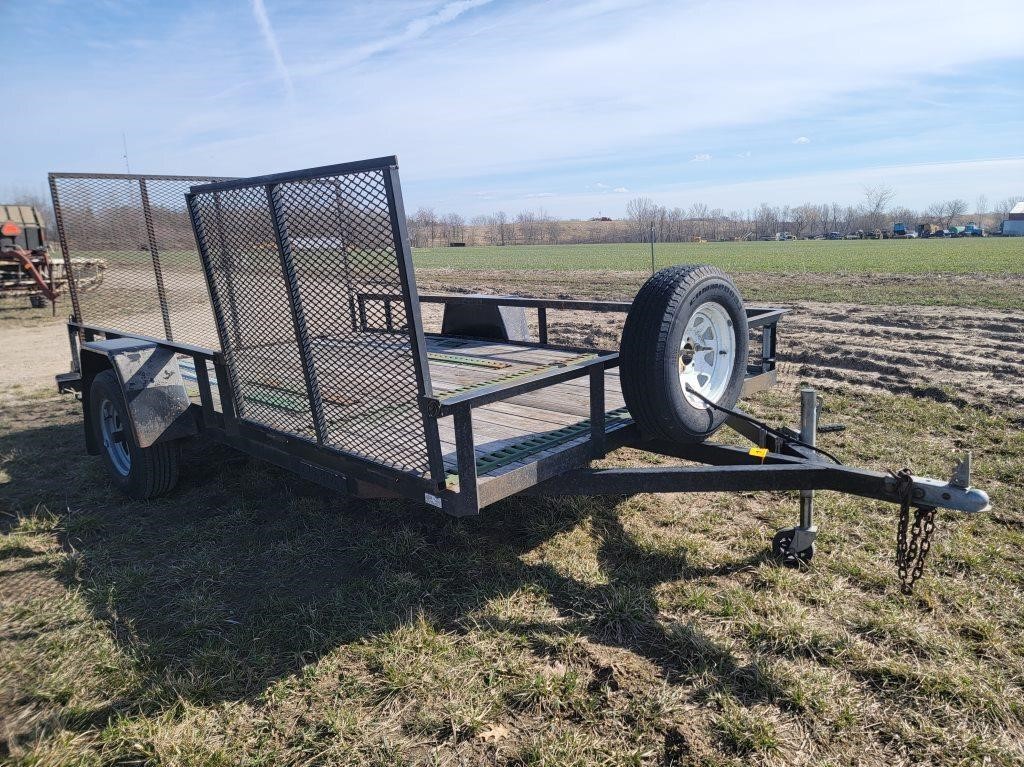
1013,226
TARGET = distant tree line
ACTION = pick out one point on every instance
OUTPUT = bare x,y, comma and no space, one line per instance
646,218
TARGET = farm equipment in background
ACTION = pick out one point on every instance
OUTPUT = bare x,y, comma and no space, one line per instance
899,231
25,264
973,230
929,230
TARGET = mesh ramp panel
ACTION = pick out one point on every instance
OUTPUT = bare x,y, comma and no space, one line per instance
337,236
130,254
184,284
251,302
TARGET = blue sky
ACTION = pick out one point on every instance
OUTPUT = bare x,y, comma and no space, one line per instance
573,107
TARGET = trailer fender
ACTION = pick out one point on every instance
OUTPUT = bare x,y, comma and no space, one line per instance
159,407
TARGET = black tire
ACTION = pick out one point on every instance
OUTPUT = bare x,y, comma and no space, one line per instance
650,352
153,470
780,549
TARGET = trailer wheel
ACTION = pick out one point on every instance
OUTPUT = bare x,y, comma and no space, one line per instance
687,328
140,472
782,549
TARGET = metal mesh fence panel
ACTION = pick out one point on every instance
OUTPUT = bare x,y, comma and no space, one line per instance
288,262
129,250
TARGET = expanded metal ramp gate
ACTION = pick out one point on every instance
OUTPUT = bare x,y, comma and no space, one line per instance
134,232
286,256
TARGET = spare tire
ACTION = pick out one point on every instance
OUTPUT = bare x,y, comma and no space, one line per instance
686,328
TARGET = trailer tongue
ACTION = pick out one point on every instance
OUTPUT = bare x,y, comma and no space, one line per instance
321,364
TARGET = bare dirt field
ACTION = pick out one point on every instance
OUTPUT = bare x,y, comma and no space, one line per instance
32,354
956,354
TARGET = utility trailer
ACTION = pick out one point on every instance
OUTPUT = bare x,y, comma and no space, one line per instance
321,364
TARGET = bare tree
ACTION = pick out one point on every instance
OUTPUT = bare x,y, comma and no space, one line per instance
766,220
876,202
641,212
453,228
952,210
423,228
504,229
877,198
1003,208
804,218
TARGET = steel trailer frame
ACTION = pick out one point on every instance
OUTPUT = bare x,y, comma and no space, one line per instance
775,460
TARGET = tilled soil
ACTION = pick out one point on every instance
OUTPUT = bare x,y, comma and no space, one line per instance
963,356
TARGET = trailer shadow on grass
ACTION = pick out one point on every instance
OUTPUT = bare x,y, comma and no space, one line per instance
245,574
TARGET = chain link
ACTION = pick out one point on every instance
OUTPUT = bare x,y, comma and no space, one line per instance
912,541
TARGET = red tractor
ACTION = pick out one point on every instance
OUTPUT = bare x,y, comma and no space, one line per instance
25,265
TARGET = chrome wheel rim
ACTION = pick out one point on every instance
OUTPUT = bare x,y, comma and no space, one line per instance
112,430
707,354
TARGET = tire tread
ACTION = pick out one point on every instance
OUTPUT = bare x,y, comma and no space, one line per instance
154,469
648,327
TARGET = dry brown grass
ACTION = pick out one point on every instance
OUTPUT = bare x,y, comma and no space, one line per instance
249,619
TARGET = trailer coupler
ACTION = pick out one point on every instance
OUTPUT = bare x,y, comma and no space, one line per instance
956,494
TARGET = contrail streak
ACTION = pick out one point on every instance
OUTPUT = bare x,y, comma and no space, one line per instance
260,12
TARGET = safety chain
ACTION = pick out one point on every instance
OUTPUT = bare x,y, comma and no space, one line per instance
912,542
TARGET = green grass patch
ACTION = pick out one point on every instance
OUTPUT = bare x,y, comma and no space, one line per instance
989,255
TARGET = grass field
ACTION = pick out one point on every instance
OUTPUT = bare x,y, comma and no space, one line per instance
250,619
986,272
990,255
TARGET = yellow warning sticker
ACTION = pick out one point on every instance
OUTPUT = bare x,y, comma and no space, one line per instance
759,452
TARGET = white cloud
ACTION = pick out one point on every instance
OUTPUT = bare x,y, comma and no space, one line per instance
916,185
801,140
260,12
702,157
620,189
599,185
744,155
540,194
600,82
414,30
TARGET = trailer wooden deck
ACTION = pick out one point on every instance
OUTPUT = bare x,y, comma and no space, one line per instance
510,433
